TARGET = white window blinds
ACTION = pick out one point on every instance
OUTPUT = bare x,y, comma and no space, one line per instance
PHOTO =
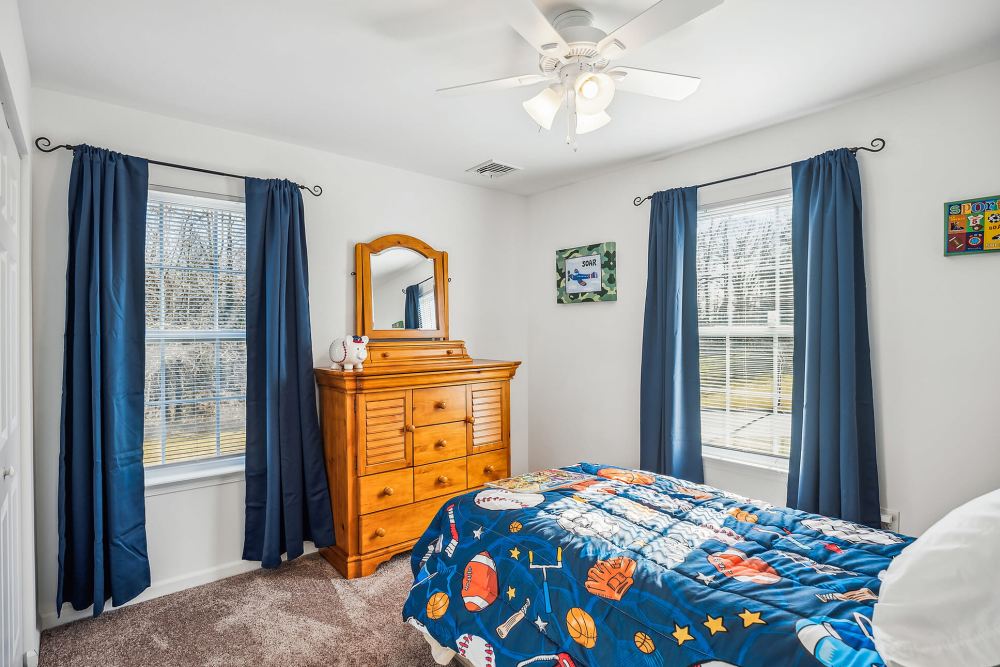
744,264
196,361
426,315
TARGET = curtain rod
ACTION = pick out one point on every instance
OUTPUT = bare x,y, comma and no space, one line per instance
423,281
878,143
43,144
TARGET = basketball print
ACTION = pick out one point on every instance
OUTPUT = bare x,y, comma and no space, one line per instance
515,526
479,583
644,642
502,499
437,605
476,650
627,476
581,627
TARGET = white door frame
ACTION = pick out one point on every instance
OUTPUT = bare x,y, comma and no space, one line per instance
26,476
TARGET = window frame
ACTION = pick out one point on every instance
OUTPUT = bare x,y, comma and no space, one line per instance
167,477
768,461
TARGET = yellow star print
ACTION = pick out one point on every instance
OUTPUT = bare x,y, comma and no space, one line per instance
681,634
751,618
714,624
511,592
515,553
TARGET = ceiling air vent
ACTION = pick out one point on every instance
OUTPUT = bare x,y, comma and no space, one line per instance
492,168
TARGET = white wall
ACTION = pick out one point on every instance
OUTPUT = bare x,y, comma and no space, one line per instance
15,76
196,533
934,320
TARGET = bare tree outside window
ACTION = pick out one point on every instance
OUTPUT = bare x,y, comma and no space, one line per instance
196,365
745,317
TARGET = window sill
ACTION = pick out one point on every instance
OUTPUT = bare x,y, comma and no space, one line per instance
184,477
759,461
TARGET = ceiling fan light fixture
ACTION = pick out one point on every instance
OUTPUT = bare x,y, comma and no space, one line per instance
594,92
589,122
544,106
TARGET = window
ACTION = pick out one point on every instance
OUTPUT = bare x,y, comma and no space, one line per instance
196,358
744,264
426,315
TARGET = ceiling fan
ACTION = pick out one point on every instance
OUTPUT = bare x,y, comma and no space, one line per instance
575,59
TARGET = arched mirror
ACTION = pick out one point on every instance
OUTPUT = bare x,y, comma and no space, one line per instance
402,289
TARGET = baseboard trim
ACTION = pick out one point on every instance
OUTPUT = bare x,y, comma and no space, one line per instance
165,587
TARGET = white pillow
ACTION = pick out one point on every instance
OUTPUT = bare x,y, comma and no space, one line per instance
940,599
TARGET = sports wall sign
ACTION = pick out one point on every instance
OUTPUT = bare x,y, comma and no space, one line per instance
972,226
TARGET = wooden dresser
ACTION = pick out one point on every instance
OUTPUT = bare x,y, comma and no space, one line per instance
402,437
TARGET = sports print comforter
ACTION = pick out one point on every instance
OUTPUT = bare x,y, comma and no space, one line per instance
630,568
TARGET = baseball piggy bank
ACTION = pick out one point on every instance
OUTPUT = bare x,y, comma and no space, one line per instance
349,352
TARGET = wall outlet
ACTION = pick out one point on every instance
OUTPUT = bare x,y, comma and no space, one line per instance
890,520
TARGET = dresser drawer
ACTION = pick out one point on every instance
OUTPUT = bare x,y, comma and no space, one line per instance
439,479
438,405
438,442
487,467
400,524
385,490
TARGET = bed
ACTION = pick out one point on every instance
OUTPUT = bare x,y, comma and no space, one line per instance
631,568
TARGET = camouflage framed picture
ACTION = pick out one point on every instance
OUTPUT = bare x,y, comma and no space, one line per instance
587,273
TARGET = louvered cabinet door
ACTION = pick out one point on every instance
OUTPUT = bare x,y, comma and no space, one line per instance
488,421
385,438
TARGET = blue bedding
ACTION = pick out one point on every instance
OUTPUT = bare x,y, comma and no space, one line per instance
631,568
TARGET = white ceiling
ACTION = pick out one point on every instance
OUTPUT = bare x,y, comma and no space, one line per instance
358,78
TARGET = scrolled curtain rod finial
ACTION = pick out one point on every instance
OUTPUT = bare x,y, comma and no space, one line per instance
877,144
44,143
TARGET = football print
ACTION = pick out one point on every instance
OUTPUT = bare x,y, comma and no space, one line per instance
479,583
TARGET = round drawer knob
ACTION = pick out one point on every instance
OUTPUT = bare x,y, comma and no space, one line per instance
380,532
443,479
441,444
388,491
489,470
470,420
385,355
441,405
450,352
409,428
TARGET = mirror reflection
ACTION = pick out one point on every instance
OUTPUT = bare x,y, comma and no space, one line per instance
403,290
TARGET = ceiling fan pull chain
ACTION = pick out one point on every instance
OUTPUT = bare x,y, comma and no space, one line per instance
571,118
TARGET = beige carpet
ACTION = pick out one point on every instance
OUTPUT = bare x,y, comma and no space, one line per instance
304,614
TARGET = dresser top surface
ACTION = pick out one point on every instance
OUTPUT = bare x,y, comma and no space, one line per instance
326,375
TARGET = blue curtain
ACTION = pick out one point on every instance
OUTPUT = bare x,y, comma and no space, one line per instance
102,516
669,394
287,497
833,470
411,312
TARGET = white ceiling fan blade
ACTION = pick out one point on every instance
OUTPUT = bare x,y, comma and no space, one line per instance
661,18
495,84
529,22
655,84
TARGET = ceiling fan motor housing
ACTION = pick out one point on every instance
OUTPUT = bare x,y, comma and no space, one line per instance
576,27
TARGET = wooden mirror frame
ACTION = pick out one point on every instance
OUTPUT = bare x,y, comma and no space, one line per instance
363,307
